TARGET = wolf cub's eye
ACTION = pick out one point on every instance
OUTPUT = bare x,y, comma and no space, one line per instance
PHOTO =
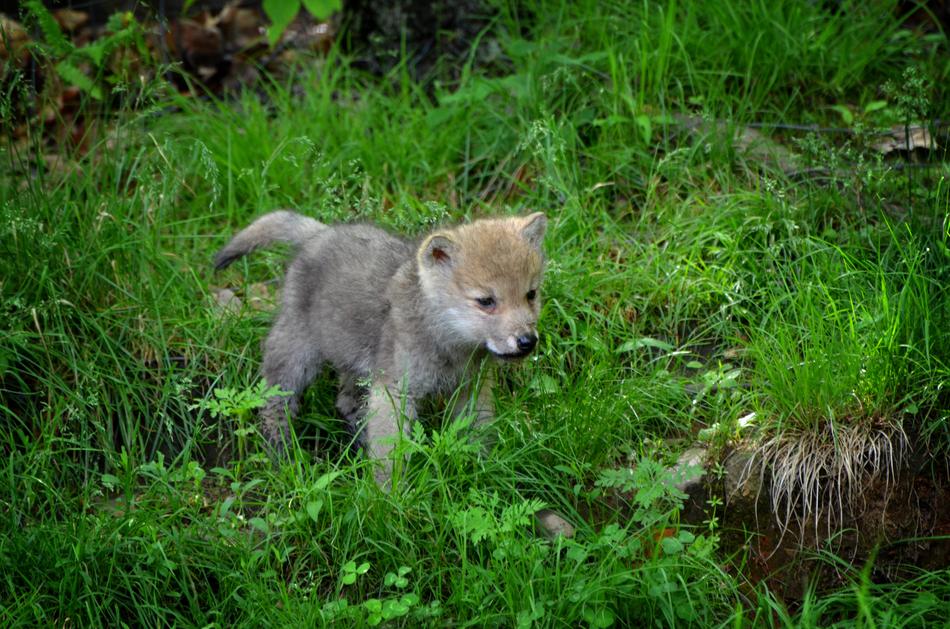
486,302
531,295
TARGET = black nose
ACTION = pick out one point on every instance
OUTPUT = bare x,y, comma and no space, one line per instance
526,342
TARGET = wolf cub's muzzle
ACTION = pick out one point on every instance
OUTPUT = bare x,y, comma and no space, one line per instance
525,343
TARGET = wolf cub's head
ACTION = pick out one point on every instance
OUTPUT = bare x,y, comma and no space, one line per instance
484,281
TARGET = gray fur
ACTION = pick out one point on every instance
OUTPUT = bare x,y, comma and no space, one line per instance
353,297
279,226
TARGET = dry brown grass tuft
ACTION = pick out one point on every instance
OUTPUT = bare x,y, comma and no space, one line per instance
818,478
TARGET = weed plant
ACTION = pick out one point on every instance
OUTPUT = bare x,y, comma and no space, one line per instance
688,286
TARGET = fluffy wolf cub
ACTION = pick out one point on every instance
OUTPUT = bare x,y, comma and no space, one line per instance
413,319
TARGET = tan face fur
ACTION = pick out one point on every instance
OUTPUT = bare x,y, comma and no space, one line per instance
484,280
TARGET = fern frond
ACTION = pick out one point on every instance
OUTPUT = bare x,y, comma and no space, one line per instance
52,33
75,76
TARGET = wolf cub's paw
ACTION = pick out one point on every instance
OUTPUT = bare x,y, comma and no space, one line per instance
348,406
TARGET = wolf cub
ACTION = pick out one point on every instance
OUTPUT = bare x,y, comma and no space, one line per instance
412,319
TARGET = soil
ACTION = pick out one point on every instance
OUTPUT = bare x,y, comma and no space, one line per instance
897,527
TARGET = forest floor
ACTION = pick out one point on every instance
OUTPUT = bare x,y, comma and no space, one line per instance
748,253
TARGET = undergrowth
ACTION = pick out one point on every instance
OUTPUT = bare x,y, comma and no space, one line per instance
688,285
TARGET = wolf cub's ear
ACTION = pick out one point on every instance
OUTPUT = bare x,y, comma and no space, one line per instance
437,249
533,229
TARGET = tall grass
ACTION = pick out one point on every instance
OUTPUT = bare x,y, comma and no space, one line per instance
686,287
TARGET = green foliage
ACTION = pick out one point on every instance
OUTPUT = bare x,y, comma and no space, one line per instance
482,520
121,30
845,340
689,285
48,25
656,496
374,611
282,12
238,403
350,571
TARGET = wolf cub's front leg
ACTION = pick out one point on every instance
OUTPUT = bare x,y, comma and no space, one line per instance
485,402
482,407
389,414
479,384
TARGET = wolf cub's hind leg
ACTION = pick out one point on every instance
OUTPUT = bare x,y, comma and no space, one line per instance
290,363
351,398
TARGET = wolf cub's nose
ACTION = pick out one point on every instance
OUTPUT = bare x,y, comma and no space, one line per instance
526,342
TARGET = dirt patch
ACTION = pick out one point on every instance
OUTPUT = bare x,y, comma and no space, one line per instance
896,526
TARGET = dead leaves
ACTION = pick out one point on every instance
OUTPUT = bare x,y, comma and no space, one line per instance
206,46
225,50
212,47
69,20
13,41
75,69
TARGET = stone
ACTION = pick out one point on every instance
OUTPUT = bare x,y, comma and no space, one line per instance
552,525
689,471
741,477
225,301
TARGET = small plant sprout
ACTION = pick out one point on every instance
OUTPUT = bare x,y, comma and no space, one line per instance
238,405
350,571
397,579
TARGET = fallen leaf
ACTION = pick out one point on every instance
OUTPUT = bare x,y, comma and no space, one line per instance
13,40
241,28
198,43
260,297
70,20
317,37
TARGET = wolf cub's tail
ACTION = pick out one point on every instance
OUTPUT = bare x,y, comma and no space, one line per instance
279,226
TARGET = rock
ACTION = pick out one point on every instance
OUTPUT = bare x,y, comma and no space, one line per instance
689,476
552,525
902,138
225,301
753,143
742,477
688,471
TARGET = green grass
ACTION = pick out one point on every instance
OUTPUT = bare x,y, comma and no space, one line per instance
688,286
